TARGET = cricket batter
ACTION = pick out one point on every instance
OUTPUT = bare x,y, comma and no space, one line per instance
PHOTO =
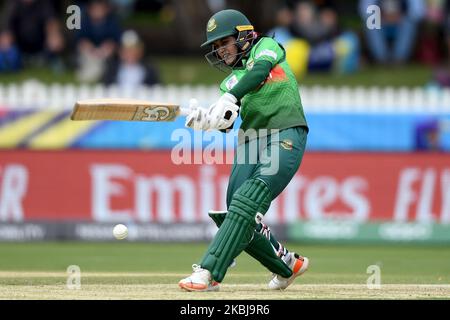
263,90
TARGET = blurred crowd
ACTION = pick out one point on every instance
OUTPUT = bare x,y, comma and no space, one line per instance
33,34
404,31
313,39
313,32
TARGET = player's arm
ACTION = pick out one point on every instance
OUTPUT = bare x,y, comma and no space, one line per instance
226,109
267,55
252,80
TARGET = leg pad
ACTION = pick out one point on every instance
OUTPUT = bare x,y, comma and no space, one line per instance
237,229
259,248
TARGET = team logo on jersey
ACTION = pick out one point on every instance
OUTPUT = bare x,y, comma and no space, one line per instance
287,144
211,25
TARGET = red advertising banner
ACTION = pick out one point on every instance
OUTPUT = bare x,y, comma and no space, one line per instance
148,187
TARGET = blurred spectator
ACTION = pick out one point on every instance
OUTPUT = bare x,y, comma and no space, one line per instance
9,54
430,48
441,75
447,29
97,40
36,31
428,135
216,5
284,19
123,7
394,41
310,33
130,70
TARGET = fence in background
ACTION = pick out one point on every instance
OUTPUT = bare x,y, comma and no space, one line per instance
315,98
36,116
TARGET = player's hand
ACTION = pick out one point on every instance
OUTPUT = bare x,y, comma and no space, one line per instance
224,112
198,118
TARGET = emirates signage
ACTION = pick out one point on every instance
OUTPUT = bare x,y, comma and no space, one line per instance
147,187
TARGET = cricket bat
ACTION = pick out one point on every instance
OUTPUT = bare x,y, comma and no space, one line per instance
126,110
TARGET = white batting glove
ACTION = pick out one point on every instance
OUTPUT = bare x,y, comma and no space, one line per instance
198,118
224,112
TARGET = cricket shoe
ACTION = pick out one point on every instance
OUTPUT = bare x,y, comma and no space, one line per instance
298,265
199,280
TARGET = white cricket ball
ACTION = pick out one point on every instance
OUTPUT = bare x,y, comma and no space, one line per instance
120,231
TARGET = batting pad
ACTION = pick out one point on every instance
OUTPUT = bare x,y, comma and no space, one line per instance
238,228
259,248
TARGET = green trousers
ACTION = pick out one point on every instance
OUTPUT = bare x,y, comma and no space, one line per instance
262,168
276,162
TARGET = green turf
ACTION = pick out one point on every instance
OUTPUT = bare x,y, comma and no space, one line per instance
332,264
195,71
44,75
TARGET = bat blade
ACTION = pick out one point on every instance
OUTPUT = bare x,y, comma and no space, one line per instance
124,110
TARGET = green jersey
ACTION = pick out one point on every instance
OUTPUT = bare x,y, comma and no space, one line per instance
275,103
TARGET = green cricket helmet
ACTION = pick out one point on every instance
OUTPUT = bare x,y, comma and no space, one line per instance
227,23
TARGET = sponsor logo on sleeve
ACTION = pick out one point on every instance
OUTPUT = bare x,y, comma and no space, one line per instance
231,82
268,53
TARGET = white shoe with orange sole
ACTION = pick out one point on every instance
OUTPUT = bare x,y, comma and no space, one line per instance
199,280
298,265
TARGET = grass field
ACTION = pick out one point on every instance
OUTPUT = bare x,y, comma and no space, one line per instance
124,270
195,71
